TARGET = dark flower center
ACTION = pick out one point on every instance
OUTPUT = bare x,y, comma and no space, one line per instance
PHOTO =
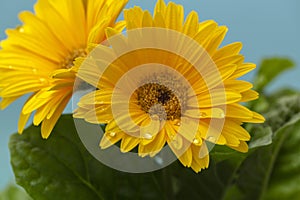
156,98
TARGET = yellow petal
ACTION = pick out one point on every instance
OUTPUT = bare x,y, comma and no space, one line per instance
228,50
204,113
99,115
97,35
234,129
160,7
48,124
238,111
249,96
216,39
214,97
243,69
230,60
23,121
128,143
155,146
242,147
7,101
231,140
238,85
206,29
149,131
188,128
191,24
38,27
110,139
257,118
199,162
186,158
212,132
147,19
24,87
35,102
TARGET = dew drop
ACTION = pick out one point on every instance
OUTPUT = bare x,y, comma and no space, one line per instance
211,139
21,29
196,141
42,80
148,136
34,70
172,136
112,134
203,114
222,115
10,67
177,142
177,122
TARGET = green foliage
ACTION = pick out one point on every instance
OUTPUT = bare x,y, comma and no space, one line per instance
13,192
269,70
273,171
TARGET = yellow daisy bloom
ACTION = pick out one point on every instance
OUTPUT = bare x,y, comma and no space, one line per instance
168,82
37,57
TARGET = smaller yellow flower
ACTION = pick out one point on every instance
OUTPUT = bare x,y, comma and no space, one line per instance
168,82
37,57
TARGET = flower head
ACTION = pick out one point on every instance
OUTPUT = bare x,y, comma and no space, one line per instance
37,57
168,82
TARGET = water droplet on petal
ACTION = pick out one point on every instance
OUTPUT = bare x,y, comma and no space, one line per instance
172,136
177,142
20,29
148,136
211,139
196,141
177,122
34,70
203,114
112,134
10,67
42,80
222,115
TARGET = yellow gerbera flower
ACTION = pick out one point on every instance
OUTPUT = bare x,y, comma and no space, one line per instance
38,56
167,81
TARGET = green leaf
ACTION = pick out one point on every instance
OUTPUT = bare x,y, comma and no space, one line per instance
221,153
61,168
285,178
262,136
209,184
282,111
13,192
269,70
52,168
272,172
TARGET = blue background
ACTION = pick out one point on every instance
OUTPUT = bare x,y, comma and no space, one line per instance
266,27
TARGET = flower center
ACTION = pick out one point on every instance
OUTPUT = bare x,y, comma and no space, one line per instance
162,95
67,63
